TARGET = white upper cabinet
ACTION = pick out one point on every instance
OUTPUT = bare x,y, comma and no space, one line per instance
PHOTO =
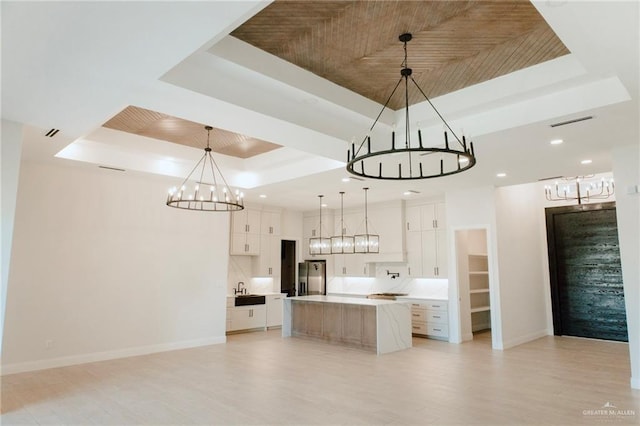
426,244
245,232
270,223
425,217
246,221
413,218
386,220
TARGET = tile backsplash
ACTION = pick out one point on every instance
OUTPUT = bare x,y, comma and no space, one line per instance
384,283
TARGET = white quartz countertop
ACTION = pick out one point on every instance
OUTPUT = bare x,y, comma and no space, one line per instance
444,299
345,300
408,297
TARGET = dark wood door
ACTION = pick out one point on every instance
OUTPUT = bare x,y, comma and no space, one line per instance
288,267
585,272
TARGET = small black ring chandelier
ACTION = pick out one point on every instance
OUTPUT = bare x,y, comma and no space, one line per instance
209,193
452,160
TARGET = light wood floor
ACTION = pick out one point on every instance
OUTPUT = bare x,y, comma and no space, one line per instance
260,378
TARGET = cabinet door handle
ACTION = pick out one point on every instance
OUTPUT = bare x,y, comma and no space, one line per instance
437,329
277,298
409,270
435,306
407,226
313,232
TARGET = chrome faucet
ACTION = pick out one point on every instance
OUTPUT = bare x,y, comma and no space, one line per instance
240,290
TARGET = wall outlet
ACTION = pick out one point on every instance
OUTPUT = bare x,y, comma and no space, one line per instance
48,344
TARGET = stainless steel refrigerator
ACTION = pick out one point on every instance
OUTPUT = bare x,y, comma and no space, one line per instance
312,277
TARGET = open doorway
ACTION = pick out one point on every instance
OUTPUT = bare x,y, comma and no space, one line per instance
288,267
474,284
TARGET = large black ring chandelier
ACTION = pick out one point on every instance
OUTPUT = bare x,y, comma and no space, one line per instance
208,190
362,161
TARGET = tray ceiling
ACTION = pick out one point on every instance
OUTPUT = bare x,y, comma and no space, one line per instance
355,44
152,124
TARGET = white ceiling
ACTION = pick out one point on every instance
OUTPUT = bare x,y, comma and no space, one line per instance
73,65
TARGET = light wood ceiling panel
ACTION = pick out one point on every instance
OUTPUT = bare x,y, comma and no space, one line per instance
355,43
152,124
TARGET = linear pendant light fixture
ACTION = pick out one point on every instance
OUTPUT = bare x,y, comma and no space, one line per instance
366,243
319,245
342,244
404,162
208,193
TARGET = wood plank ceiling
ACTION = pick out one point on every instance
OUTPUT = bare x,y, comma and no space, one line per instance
355,44
152,124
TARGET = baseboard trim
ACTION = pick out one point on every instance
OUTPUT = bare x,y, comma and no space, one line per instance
65,361
466,337
635,382
506,344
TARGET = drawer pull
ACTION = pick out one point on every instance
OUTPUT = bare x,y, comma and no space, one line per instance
437,329
436,316
416,328
435,306
415,304
416,315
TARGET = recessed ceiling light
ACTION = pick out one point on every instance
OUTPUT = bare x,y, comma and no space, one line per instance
556,142
263,196
346,179
406,193
586,162
501,174
324,205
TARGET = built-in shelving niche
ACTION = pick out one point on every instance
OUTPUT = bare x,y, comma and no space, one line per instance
474,282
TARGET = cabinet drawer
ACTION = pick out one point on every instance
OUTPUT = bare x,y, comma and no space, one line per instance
418,315
436,317
437,330
437,306
419,328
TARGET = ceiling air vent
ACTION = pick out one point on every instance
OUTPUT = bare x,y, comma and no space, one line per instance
575,120
51,133
550,178
112,168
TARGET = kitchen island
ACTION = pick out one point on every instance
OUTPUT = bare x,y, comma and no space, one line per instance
380,326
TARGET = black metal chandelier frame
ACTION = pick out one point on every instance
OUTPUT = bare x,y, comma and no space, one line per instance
212,196
464,156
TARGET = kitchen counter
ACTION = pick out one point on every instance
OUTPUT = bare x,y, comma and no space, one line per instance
380,326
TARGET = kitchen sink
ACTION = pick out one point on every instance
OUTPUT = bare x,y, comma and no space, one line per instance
249,299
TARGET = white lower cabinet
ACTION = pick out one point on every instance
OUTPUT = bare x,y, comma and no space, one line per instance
255,316
274,310
430,318
246,317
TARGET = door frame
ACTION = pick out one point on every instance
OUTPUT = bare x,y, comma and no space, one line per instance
550,213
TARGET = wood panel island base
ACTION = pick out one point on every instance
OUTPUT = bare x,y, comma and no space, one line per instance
380,326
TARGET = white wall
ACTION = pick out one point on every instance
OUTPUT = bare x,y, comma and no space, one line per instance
521,246
10,160
101,268
626,170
